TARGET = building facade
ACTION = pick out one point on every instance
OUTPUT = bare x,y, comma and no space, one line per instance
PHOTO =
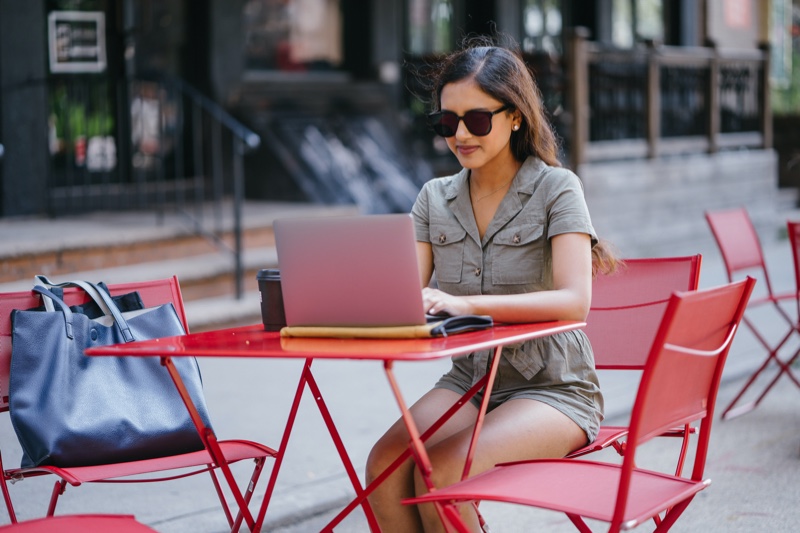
331,89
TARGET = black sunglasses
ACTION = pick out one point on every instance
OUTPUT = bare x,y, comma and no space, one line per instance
479,123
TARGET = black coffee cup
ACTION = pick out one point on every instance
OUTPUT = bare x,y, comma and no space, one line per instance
269,284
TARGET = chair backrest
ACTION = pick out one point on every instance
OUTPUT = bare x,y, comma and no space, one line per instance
738,241
153,293
681,379
627,307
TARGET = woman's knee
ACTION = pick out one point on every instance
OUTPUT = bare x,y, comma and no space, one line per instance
375,459
383,454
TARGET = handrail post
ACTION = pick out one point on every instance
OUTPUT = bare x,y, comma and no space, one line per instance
653,100
714,91
198,160
578,95
216,173
211,123
238,200
766,98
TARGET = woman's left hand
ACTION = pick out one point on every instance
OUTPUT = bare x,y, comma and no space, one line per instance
437,302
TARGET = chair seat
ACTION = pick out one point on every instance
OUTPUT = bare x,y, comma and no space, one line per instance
234,450
608,435
584,488
79,524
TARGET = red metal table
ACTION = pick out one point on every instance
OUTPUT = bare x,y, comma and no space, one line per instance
254,342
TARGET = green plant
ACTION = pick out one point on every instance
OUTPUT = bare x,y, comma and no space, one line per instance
786,100
58,111
76,121
100,124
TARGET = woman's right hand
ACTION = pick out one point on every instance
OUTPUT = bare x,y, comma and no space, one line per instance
436,302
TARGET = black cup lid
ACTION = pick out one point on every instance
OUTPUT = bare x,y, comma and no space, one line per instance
268,273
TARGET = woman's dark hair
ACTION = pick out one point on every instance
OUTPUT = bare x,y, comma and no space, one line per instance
605,258
501,73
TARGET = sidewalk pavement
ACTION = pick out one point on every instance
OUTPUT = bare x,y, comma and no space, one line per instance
754,460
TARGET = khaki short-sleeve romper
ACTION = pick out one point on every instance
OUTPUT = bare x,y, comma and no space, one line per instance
514,257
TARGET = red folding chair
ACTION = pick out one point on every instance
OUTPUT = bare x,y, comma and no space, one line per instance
627,308
679,385
79,524
793,230
742,253
153,293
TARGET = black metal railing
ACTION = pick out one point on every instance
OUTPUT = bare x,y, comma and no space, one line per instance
166,148
202,147
662,100
618,99
684,101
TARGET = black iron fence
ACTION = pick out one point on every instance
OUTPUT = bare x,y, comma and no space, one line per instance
661,100
607,103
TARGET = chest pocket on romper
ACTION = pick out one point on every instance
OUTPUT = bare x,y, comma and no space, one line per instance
447,241
518,255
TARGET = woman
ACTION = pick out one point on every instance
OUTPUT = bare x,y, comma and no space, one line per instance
508,236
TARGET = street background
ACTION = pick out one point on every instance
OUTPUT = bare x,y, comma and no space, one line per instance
754,460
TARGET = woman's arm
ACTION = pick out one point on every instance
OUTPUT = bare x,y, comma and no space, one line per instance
425,262
569,299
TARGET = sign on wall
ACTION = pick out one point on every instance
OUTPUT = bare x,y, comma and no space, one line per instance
77,41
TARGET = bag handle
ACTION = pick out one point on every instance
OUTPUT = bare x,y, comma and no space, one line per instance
89,288
99,296
48,295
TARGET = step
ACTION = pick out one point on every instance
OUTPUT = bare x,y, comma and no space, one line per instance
224,311
116,248
103,240
207,284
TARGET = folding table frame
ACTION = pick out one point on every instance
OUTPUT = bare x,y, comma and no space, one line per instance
254,342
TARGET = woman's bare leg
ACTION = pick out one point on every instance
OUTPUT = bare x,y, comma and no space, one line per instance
391,514
516,430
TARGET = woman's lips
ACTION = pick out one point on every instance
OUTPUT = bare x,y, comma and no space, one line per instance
466,150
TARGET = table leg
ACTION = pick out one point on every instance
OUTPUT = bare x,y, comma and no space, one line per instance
337,440
210,442
407,453
287,431
447,514
307,380
418,450
490,376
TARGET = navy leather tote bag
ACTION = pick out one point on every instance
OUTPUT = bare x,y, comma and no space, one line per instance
69,409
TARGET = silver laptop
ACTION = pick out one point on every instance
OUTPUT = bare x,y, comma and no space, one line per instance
349,271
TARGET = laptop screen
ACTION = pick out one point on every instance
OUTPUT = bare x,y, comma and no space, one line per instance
349,271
